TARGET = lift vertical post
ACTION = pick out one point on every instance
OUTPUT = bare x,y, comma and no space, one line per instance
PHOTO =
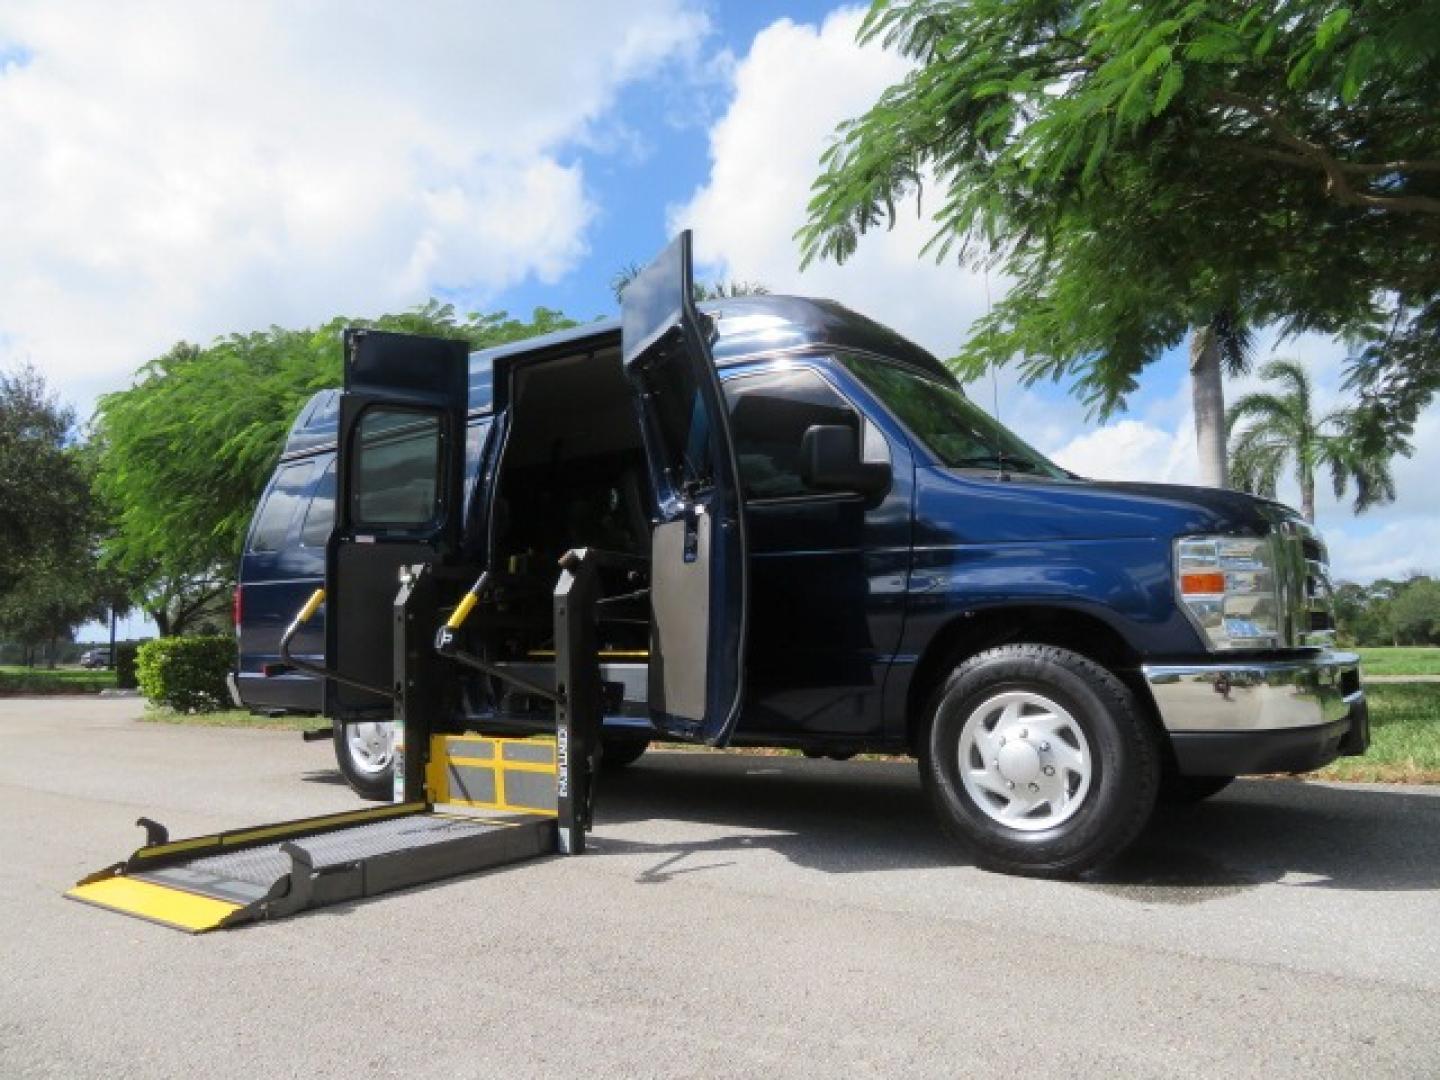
417,679
579,696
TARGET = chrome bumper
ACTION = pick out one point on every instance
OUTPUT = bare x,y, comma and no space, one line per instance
1257,695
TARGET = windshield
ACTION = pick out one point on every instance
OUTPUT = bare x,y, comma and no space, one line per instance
958,432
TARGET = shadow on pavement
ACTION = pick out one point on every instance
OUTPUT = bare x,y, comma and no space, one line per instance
867,816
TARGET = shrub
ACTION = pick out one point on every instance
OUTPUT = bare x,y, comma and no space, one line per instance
188,673
125,665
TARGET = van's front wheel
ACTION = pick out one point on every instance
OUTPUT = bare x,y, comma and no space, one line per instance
1039,760
366,756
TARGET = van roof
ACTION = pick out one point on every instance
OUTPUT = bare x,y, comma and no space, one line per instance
746,326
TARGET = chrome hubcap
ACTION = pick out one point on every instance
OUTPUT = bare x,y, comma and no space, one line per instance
372,746
1024,760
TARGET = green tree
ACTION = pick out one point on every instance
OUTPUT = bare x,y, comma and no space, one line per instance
48,529
43,489
1415,612
1141,172
185,452
1270,430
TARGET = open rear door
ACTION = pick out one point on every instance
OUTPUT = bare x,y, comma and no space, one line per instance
401,475
698,574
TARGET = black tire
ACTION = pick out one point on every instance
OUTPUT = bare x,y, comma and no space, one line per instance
1123,762
619,753
375,786
1177,790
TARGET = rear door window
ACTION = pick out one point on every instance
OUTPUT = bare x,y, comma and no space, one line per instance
272,520
397,471
769,415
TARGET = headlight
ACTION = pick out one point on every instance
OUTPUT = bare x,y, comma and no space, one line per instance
1227,584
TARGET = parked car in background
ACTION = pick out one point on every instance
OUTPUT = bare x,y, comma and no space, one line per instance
95,658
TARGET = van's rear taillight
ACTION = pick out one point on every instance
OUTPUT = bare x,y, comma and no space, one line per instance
237,607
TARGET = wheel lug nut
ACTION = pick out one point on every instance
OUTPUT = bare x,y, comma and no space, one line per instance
1044,746
1009,783
1034,787
1049,770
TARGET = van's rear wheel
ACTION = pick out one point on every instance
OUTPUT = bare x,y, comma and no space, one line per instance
621,752
366,755
1039,760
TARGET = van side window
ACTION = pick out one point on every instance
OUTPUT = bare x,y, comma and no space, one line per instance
397,470
320,514
272,520
769,415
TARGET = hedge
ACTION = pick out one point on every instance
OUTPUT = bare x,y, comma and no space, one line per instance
186,673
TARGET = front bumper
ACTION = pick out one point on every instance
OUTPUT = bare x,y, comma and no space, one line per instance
1227,718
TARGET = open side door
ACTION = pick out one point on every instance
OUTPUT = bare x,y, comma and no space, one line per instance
400,493
699,567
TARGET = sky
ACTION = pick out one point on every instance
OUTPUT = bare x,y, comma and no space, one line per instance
182,171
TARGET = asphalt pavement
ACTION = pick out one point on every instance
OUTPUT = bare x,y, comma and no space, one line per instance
738,915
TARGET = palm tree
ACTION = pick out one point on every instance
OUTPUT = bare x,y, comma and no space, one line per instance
1282,428
1220,346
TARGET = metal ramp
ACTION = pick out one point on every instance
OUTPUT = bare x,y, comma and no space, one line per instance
272,871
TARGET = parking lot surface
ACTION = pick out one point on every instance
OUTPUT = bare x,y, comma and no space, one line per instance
738,915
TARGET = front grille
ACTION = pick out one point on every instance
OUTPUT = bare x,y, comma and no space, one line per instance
1303,580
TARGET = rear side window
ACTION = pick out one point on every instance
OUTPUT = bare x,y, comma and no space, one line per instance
397,470
320,514
769,415
272,520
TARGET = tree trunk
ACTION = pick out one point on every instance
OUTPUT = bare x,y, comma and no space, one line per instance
1307,495
1207,396
162,620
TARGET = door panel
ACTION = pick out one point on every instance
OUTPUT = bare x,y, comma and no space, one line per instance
699,569
401,475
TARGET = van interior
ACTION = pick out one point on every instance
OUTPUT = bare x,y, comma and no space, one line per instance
571,474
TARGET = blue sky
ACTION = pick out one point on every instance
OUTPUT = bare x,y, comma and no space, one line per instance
185,171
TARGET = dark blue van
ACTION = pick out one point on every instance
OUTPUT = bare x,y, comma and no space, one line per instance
916,580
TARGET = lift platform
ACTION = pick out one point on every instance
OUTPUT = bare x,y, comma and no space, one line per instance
464,802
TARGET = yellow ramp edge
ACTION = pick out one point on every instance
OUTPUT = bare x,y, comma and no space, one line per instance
145,900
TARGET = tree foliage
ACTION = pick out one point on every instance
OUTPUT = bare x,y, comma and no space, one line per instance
48,527
1137,169
1389,612
1269,430
185,452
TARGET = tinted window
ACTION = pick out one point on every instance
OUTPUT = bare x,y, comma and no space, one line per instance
272,520
320,514
769,415
960,433
397,472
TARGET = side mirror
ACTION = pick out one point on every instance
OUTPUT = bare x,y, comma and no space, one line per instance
830,461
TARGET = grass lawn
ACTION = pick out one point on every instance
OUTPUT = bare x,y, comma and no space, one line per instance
1405,660
22,680
233,718
1404,737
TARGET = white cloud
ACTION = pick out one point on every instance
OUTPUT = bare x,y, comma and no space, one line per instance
791,89
1132,450
187,170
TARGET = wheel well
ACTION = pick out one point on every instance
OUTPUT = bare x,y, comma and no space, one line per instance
976,631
